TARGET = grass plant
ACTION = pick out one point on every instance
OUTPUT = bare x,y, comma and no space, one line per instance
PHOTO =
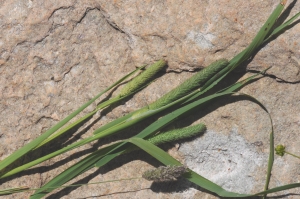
186,98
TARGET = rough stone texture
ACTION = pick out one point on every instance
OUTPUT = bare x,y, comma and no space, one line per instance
56,55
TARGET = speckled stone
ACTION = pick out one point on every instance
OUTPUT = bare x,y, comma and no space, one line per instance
56,55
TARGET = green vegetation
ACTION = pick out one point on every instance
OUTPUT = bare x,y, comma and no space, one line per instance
182,100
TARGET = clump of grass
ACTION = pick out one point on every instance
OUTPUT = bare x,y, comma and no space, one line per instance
185,98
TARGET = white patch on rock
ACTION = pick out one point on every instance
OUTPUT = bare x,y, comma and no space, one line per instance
229,161
203,40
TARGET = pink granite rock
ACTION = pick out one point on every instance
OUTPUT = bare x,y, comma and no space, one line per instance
56,55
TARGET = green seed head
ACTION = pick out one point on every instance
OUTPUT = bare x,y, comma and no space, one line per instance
142,79
191,84
280,150
165,174
177,134
173,135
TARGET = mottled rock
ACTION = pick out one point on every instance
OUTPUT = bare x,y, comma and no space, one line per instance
56,55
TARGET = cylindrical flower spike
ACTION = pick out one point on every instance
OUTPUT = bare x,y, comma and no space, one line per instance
142,79
177,134
190,84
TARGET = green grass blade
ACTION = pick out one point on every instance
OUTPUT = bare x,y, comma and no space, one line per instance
73,171
28,147
113,130
282,27
67,128
271,152
47,157
13,190
262,33
276,189
114,122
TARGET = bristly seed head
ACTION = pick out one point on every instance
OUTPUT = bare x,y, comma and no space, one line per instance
165,173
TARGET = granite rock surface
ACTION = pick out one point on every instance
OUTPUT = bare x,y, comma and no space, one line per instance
56,55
